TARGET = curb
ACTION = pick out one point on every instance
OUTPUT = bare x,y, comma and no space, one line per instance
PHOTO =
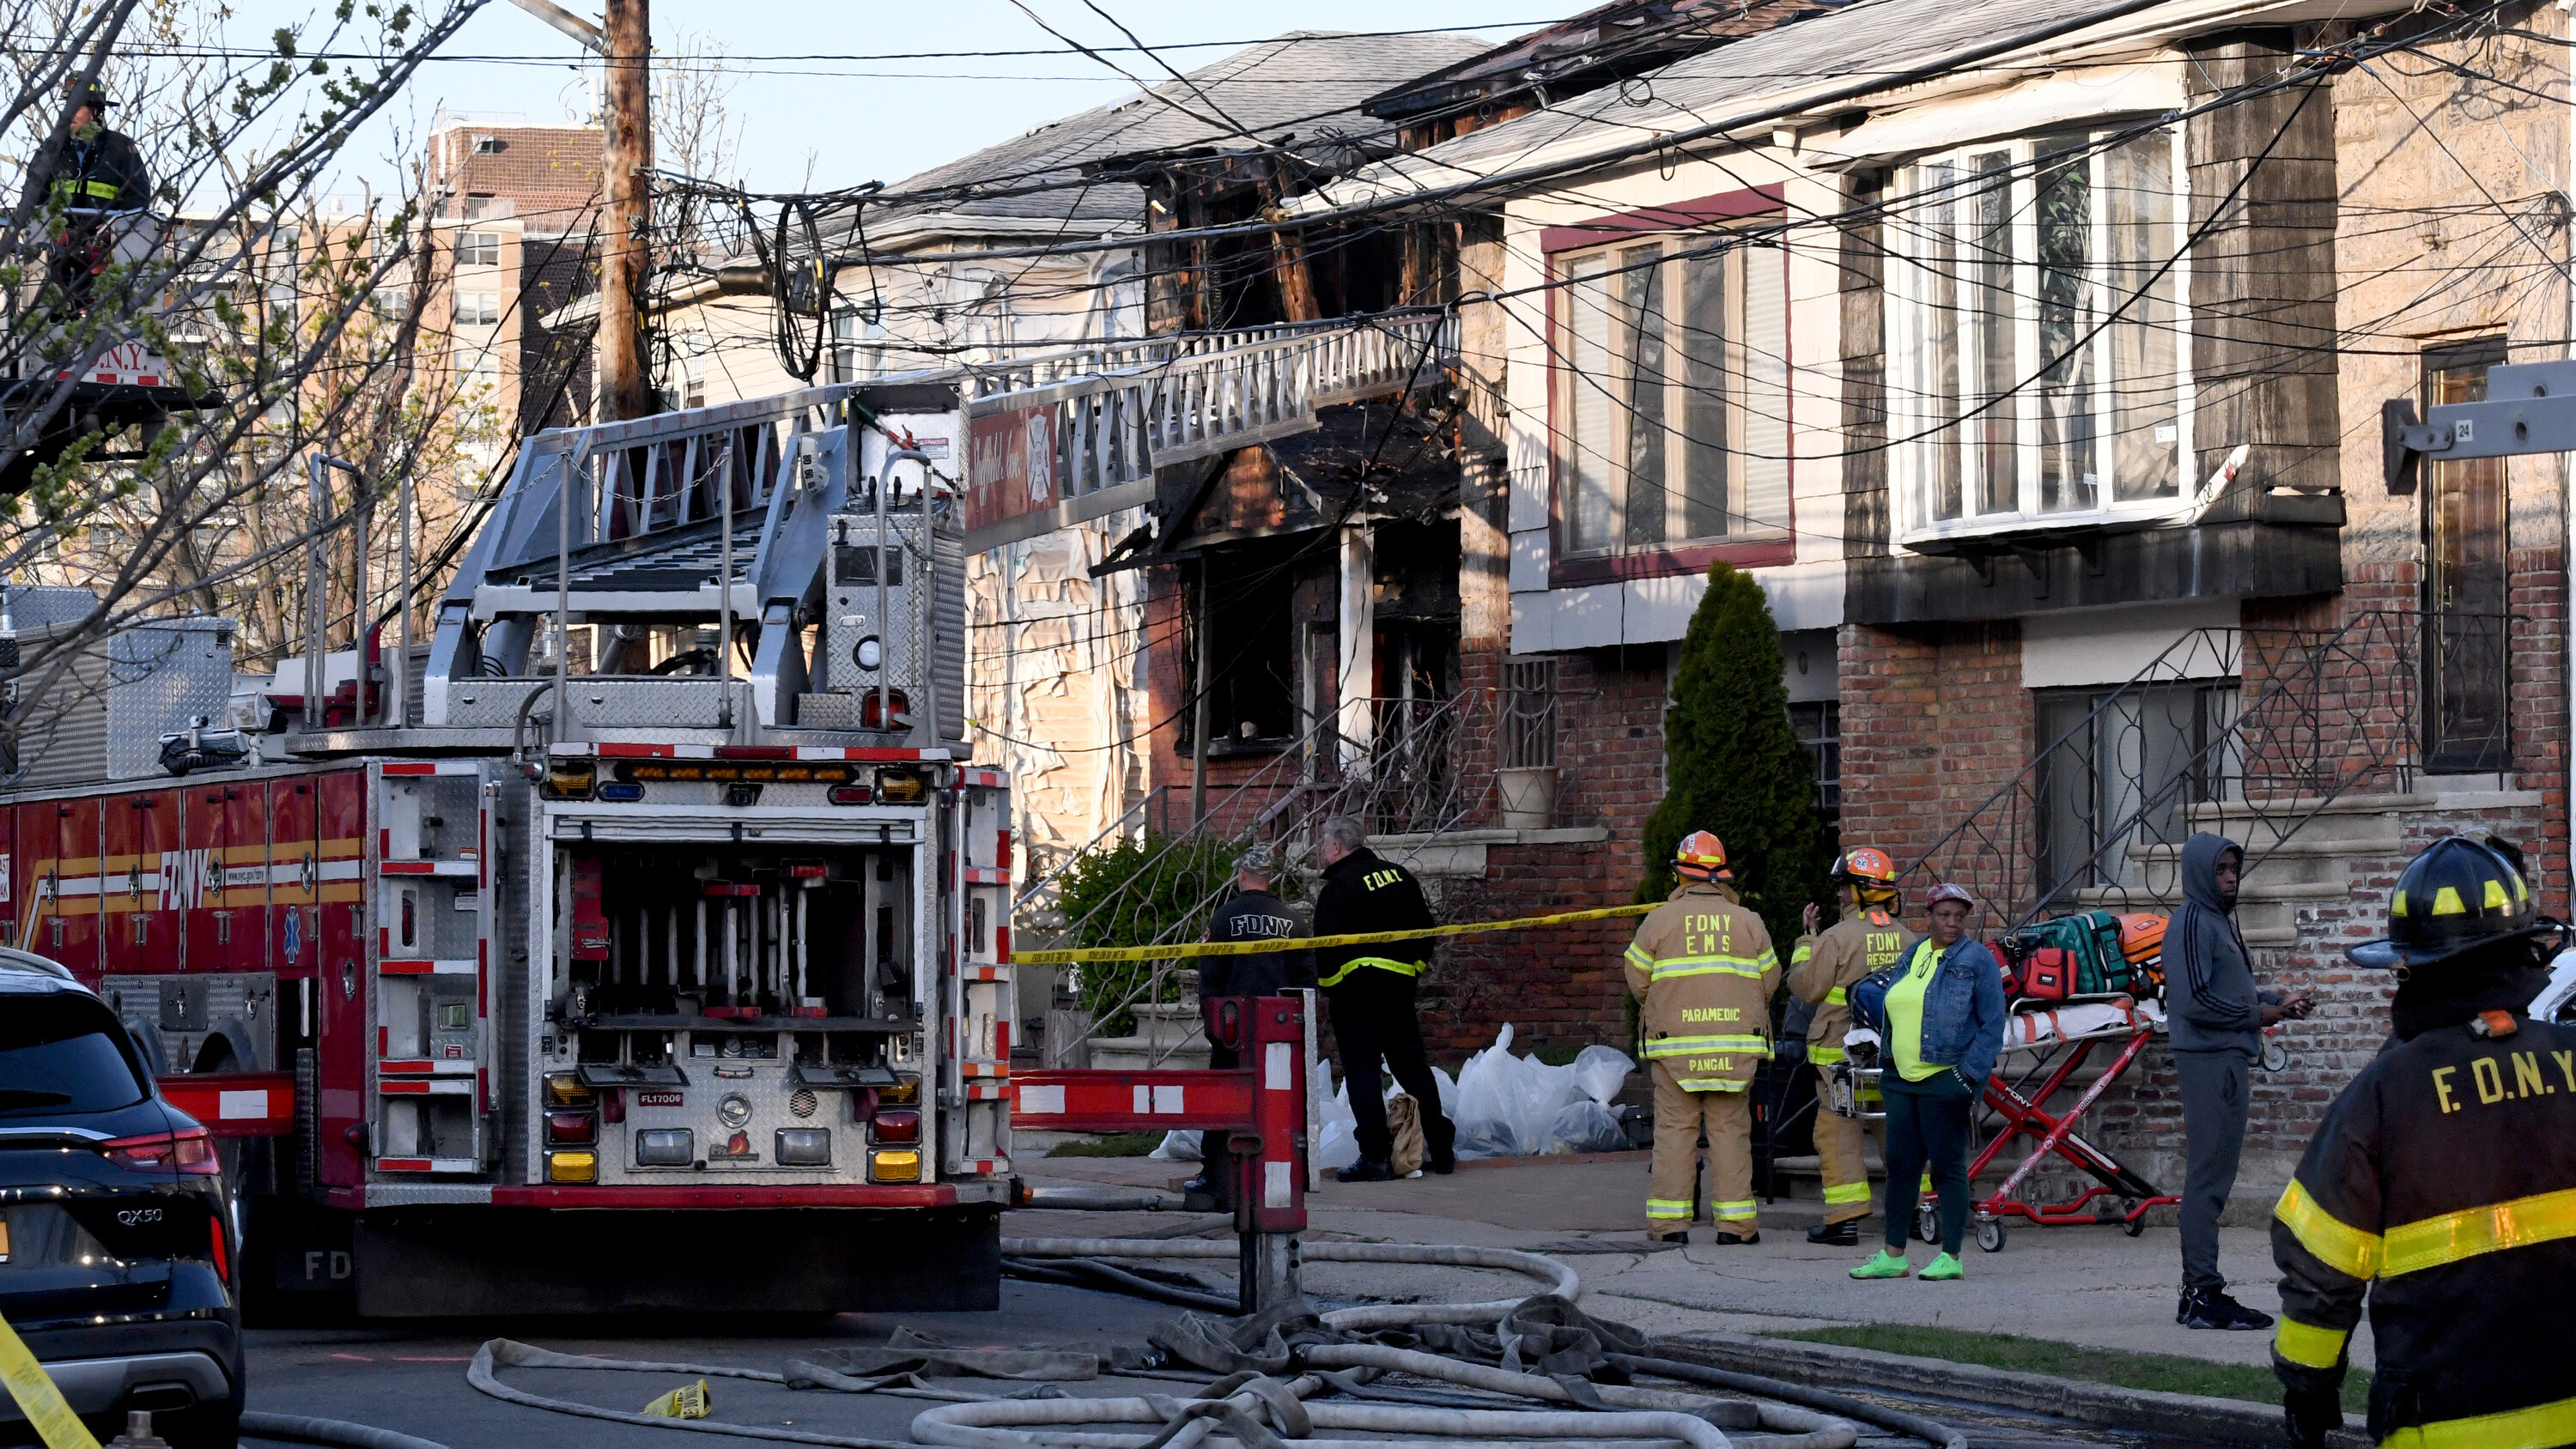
2179,1416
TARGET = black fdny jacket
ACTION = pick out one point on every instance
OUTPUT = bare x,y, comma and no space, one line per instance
1363,893
104,173
1255,916
2442,1185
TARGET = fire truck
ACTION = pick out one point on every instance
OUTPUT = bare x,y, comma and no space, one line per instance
637,940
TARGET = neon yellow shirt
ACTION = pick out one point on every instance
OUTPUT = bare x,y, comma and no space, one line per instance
1905,1015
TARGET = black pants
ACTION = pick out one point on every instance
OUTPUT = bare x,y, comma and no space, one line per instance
2215,1093
1373,1019
1927,1126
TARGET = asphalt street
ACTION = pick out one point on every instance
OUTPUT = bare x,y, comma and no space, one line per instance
411,1377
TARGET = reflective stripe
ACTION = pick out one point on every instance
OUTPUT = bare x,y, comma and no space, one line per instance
2452,1237
1824,1056
1682,1046
1706,966
2337,1244
1725,1211
1638,958
1805,952
1664,1207
1710,1084
1400,968
2308,1345
1848,1192
2538,1427
1838,997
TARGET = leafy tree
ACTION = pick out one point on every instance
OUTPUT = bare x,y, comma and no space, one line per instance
1733,764
1147,890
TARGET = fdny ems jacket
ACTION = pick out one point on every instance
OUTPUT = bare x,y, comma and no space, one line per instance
1703,970
2442,1185
1824,968
1362,894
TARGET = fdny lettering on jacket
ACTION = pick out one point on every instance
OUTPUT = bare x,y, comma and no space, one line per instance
1259,927
2503,1079
1378,880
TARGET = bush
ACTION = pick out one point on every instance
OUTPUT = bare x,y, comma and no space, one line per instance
1733,764
1139,892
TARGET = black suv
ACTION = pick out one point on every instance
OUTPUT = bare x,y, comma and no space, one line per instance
116,1232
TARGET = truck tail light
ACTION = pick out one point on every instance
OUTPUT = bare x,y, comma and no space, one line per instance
901,787
905,1092
570,779
665,1146
564,1089
570,1127
572,1167
850,795
189,1150
804,1146
904,1166
900,1124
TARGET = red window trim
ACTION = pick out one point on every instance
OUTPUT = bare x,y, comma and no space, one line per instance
1670,216
1653,562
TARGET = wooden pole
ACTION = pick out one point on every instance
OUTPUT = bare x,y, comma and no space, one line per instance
1199,706
626,257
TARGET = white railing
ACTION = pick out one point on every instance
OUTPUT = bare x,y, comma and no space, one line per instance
1123,409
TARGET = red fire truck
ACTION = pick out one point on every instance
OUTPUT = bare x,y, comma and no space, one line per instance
635,941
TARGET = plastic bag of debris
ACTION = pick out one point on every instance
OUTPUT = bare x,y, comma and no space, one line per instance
1508,1105
1601,1071
1586,1126
1330,1119
1178,1147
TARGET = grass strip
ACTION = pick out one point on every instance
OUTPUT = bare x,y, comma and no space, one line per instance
1109,1144
2161,1372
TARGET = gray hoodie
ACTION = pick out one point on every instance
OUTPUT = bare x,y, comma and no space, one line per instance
2209,979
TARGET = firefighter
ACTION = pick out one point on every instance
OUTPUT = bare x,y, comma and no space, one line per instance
1821,969
2441,1186
1702,970
1254,914
1370,991
97,170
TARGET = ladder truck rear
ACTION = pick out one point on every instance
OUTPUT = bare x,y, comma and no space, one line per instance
638,941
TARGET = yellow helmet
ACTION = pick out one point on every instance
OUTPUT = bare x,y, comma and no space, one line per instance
1702,856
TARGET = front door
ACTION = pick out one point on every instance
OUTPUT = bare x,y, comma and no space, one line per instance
2465,587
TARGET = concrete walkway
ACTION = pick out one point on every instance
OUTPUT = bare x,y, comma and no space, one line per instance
2075,1285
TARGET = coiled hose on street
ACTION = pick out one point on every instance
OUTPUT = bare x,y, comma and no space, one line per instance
1258,1387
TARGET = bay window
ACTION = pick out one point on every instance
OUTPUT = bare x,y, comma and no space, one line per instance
2038,339
1673,395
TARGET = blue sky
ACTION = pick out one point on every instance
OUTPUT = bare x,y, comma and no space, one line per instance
856,119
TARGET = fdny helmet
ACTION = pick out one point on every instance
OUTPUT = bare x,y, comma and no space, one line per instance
2456,896
1866,869
1702,856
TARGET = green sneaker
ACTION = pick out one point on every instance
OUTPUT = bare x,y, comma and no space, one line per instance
1883,1265
1942,1269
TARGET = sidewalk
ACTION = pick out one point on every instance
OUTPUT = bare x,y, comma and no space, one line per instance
2089,1286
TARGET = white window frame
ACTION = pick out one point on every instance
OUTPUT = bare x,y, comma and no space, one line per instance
470,245
1740,403
1917,405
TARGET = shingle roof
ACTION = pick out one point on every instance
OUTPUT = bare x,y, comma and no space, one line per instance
1594,48
1308,84
1885,42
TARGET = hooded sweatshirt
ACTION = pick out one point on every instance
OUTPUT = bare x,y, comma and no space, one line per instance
2210,977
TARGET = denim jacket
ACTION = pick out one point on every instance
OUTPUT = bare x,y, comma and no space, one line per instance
1963,1007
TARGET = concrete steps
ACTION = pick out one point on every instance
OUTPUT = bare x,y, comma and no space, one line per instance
2304,850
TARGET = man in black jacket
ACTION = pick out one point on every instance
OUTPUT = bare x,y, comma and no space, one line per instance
1254,914
1370,989
96,170
2217,1023
2442,1186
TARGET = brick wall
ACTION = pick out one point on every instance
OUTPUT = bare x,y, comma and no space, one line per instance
1934,722
548,176
1562,985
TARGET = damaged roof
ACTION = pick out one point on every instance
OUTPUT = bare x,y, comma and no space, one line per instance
1308,85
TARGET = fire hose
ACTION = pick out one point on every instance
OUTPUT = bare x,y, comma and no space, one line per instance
1263,1402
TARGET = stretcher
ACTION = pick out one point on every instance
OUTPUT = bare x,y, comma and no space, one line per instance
2060,1038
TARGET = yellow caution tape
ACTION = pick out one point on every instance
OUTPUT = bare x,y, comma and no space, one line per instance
37,1397
688,1401
1305,943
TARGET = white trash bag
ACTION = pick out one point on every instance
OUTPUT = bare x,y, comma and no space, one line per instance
1586,1126
1601,1071
1178,1147
1334,1124
1507,1105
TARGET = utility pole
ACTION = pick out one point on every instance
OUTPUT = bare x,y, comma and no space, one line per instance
626,259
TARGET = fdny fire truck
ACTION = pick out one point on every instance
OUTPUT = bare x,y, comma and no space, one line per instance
635,941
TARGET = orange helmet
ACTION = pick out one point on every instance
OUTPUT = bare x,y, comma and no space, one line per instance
1702,856
1866,869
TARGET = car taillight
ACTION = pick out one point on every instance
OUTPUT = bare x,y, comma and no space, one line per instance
189,1150
896,1124
569,1127
221,1252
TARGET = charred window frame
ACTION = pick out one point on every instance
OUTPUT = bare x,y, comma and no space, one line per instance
1252,669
